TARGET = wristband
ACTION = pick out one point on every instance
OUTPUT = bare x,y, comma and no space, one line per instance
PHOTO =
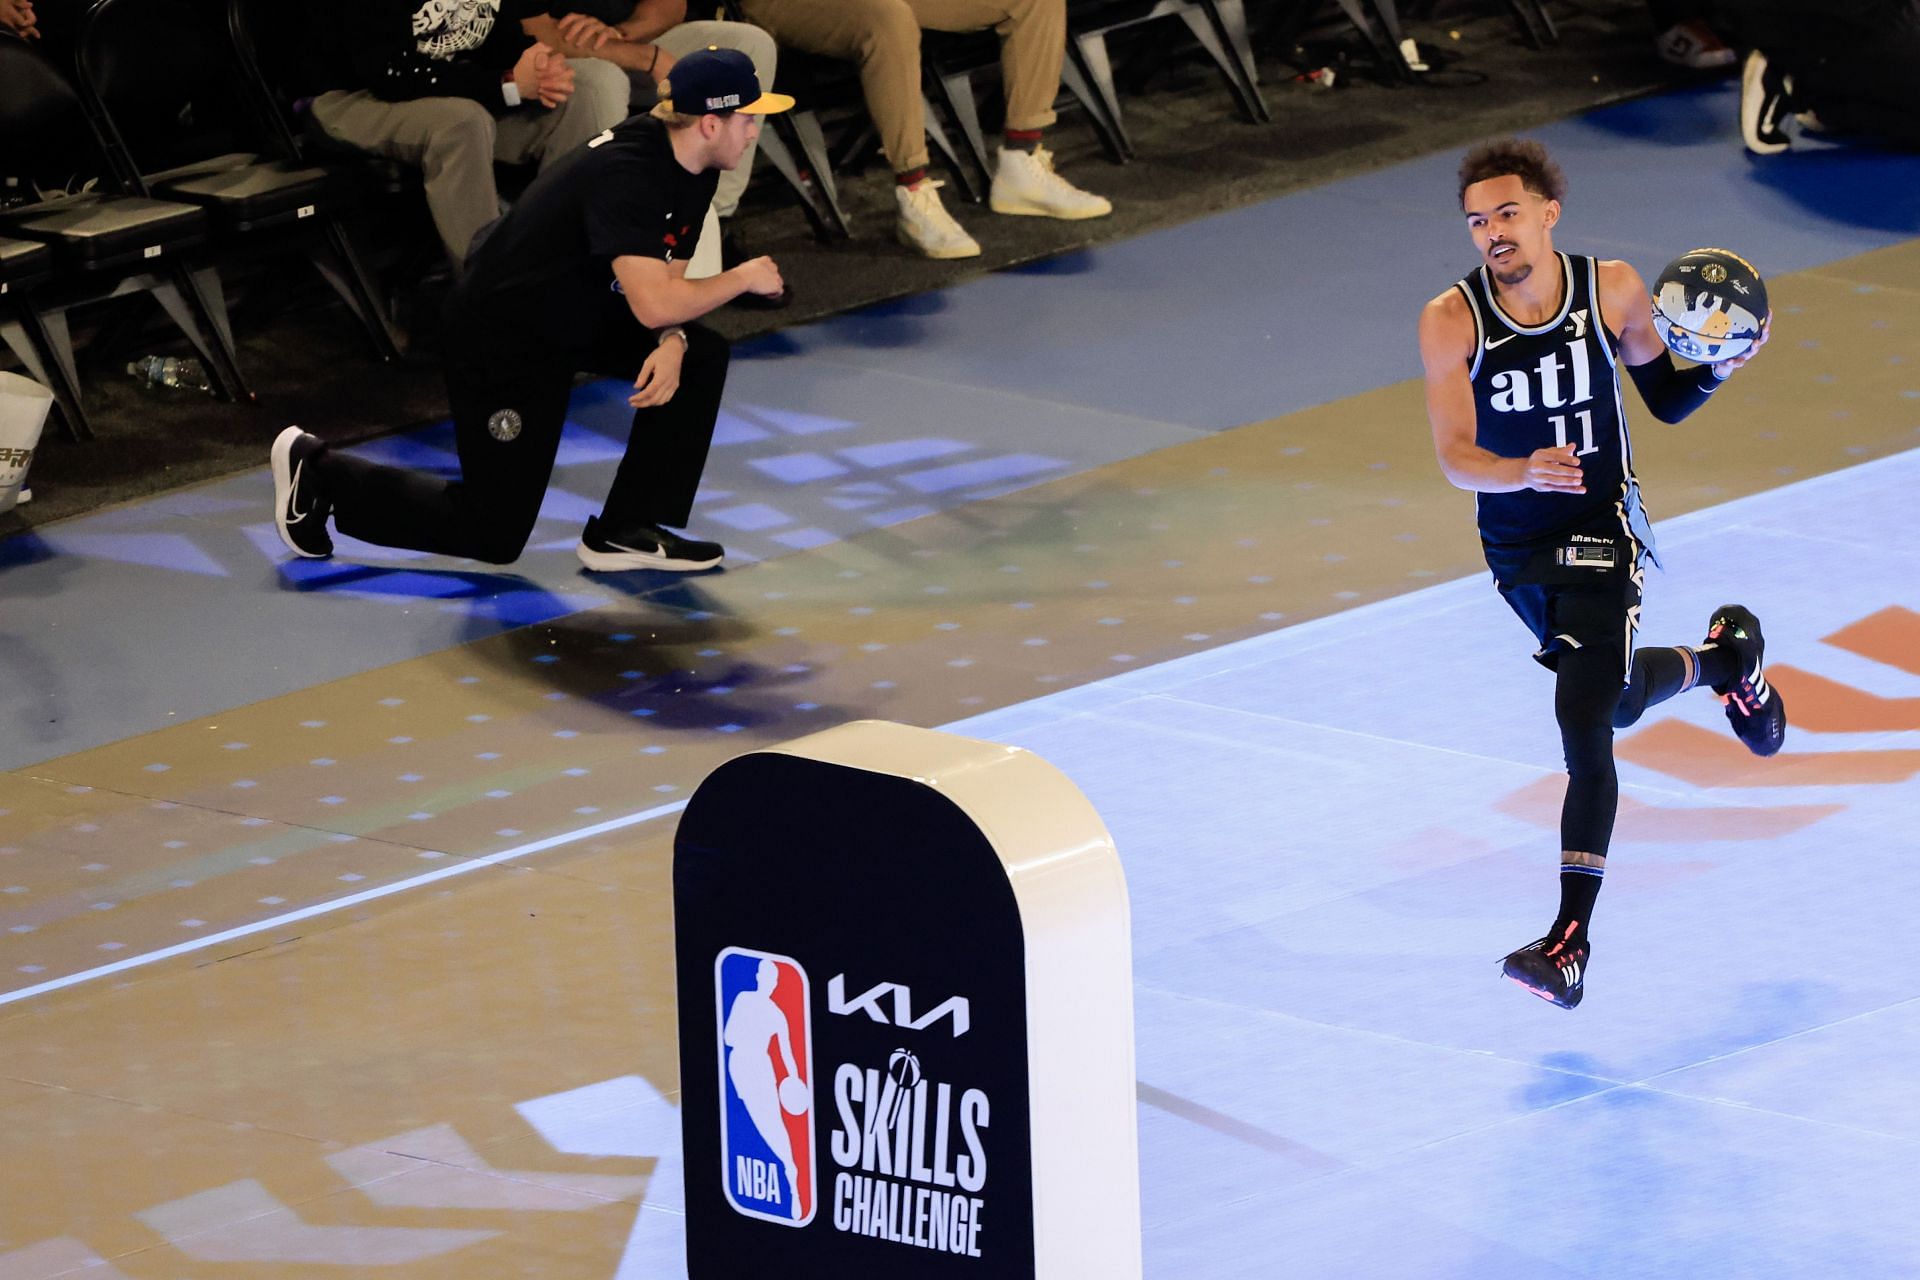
509,90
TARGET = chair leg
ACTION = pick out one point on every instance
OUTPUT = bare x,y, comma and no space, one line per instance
1088,51
1230,16
817,198
340,265
184,295
43,346
1536,24
1370,23
1073,74
962,171
1205,30
957,89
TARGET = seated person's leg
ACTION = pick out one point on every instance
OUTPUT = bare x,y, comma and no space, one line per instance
883,37
598,102
1033,43
451,139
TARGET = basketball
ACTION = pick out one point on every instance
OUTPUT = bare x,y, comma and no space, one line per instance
793,1096
1709,305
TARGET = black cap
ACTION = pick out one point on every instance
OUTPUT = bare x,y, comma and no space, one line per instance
718,82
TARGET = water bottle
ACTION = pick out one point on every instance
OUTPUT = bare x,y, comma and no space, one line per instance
171,371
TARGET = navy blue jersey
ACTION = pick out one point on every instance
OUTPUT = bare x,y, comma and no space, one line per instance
1538,386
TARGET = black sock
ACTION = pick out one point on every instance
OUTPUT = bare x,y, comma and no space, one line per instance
1579,888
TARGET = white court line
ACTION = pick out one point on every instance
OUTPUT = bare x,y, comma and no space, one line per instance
335,904
1682,522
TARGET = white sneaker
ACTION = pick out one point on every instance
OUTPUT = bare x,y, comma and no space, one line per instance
926,225
1025,183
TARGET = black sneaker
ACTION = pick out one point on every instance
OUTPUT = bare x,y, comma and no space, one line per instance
643,546
1555,971
300,506
1765,100
1754,707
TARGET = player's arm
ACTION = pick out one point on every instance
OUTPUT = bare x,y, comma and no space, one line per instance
661,296
1447,338
1670,392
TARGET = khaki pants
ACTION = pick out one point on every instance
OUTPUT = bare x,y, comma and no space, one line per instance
455,141
883,36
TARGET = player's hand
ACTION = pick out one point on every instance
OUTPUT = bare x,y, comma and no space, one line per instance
659,376
584,31
1726,367
1554,470
761,276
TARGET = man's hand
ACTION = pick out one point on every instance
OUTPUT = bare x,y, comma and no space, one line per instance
543,76
662,64
1726,367
584,31
761,276
17,17
1554,470
660,375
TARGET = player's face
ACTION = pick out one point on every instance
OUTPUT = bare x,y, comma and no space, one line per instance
736,133
1511,226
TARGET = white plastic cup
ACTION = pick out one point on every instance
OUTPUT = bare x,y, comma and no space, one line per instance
24,405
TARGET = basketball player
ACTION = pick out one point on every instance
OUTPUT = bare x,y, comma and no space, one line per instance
1523,392
753,1023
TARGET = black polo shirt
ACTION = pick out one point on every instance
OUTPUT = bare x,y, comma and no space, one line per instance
541,283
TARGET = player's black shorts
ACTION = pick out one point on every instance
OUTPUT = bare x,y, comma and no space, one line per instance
1576,590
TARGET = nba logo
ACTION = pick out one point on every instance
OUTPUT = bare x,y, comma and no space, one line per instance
766,1086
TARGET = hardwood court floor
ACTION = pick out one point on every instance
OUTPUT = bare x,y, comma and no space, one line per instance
436,1037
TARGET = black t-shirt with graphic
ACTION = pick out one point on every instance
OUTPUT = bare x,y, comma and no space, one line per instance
541,283
406,49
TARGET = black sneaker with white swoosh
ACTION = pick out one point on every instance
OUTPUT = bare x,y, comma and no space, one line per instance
643,546
300,505
1766,96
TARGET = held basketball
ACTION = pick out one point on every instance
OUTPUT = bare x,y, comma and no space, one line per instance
793,1096
1709,304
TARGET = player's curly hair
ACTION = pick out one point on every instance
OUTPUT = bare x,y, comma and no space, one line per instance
1521,157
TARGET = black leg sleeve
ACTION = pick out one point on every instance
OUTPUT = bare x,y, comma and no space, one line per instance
1586,692
1658,674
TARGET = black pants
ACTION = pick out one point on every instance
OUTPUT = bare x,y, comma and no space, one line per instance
507,418
1584,615
1852,61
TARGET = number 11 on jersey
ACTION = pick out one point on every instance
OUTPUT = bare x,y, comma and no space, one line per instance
1586,433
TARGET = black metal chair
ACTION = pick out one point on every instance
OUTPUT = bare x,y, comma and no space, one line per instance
1219,26
26,265
104,244
257,202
